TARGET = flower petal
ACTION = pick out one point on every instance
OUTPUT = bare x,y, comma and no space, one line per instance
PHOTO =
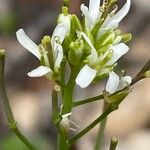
58,55
115,20
112,82
118,51
85,76
59,32
93,56
94,10
123,12
26,42
85,12
65,20
39,72
124,81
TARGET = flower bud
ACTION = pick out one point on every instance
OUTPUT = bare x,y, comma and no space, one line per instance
76,52
65,10
75,24
126,37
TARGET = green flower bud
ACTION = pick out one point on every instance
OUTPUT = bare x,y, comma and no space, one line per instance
75,24
65,10
76,51
126,37
105,40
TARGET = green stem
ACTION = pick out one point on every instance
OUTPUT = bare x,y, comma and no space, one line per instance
62,142
109,109
55,112
88,100
8,111
67,96
100,136
113,144
68,92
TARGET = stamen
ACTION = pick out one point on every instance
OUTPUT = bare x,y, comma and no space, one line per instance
115,8
74,124
104,5
72,129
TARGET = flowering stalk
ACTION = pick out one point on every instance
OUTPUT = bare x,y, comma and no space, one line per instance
91,48
67,96
8,111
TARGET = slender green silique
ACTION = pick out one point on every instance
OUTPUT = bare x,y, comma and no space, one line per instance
7,107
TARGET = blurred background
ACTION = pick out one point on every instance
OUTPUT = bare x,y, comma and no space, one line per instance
30,97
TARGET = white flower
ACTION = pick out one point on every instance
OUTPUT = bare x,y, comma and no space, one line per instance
113,22
92,14
114,83
58,35
89,71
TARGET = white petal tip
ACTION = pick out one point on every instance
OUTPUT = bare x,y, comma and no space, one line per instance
112,83
26,42
85,76
39,72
